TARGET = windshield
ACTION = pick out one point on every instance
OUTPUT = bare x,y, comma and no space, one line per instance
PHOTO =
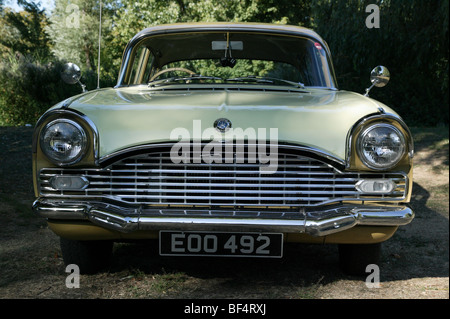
216,58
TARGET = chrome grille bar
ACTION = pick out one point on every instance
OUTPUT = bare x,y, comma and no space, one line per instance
153,179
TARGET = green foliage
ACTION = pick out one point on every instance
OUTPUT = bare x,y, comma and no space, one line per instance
28,88
24,31
412,42
74,30
30,80
133,16
242,68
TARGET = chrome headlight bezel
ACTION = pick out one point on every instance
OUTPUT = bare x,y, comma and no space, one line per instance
50,151
368,161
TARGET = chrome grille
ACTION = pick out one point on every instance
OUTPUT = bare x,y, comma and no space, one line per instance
153,179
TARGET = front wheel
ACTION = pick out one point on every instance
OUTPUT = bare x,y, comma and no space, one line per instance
89,256
354,258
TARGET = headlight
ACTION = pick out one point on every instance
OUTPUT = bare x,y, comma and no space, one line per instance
381,146
63,141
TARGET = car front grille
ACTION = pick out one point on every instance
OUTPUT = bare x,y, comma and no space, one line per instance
153,179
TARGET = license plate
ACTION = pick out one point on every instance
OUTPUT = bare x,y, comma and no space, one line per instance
225,244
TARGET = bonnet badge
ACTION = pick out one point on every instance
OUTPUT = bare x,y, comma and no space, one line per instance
222,125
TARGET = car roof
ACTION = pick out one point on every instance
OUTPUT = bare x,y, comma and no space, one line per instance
228,26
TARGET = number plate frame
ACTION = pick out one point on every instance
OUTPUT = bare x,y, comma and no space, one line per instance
220,244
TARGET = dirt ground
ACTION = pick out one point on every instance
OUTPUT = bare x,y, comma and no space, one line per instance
415,262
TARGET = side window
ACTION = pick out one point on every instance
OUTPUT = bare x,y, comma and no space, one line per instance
141,66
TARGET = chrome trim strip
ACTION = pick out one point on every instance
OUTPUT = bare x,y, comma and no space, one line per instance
318,222
298,148
57,211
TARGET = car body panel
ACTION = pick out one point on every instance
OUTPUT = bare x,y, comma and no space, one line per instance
132,116
88,231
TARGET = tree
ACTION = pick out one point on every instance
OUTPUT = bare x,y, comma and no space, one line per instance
74,30
24,31
29,73
133,16
412,42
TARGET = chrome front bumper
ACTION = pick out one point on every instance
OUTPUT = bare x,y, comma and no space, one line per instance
317,222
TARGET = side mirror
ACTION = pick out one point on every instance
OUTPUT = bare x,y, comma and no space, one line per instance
379,77
71,74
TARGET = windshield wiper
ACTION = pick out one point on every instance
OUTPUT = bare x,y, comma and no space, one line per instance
250,79
263,79
198,77
195,77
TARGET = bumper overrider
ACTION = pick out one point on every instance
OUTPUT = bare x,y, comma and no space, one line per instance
313,221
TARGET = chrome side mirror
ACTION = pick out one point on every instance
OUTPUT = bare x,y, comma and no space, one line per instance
379,77
71,74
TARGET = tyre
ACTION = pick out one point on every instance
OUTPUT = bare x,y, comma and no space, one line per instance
354,258
89,256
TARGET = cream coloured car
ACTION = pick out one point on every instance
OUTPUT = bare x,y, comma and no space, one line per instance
223,139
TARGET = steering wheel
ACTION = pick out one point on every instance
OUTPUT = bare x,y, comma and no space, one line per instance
169,70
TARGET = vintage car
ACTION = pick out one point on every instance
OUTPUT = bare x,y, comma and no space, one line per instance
223,139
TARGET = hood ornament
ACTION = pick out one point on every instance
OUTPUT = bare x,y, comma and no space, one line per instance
222,125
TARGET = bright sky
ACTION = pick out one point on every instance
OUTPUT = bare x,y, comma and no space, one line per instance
48,5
